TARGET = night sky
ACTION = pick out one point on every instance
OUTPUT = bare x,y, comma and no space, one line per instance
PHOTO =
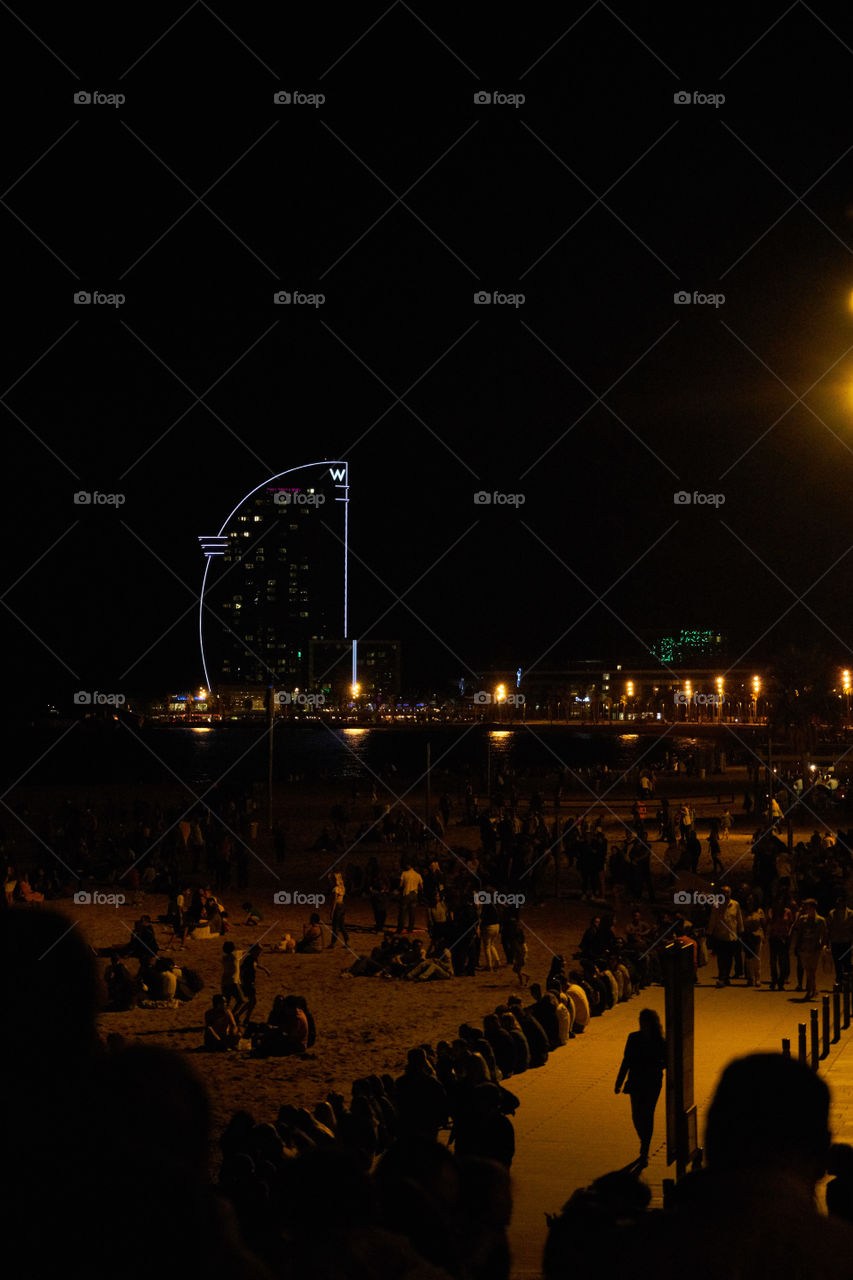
399,198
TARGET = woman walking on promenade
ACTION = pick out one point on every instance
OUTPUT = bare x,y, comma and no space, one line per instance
643,1063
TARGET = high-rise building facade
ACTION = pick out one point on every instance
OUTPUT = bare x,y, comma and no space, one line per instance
276,578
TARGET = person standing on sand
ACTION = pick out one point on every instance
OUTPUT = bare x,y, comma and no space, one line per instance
339,928
411,884
248,977
230,985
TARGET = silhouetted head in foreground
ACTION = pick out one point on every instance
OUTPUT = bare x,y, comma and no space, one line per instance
769,1112
53,992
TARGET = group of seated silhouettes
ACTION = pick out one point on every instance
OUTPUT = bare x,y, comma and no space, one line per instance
401,956
289,1028
366,1188
157,982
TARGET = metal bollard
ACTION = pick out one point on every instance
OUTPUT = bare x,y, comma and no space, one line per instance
824,1026
814,1037
786,1048
836,1014
801,1043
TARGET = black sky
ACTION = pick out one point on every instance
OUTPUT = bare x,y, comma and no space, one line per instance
598,199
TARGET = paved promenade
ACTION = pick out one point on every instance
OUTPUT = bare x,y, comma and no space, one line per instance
571,1127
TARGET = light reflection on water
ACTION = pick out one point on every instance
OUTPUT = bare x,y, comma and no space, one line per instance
203,754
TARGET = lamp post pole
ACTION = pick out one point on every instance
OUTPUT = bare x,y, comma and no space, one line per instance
270,733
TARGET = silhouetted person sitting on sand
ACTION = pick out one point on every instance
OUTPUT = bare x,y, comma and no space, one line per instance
312,936
121,988
220,1027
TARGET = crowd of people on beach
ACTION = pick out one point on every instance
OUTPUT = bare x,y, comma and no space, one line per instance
112,1145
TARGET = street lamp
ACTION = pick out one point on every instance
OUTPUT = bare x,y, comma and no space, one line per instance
719,684
688,690
629,694
845,684
756,690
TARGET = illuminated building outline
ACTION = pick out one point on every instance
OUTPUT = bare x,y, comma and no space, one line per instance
215,545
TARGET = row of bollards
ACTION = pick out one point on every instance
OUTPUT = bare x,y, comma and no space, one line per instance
813,1040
